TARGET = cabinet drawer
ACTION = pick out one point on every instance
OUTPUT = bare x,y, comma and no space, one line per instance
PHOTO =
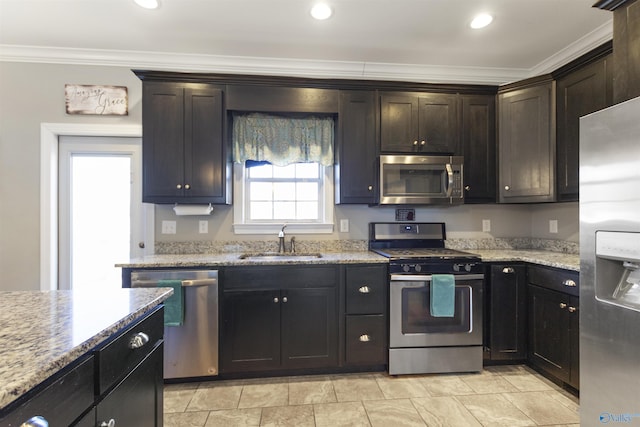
60,402
366,290
366,339
117,358
279,277
565,281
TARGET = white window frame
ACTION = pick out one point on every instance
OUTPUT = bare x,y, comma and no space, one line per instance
241,224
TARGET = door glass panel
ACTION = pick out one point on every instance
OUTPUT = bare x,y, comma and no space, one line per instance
100,219
417,318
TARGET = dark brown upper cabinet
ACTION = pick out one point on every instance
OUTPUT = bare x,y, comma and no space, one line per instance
356,154
479,148
419,123
184,155
580,92
527,142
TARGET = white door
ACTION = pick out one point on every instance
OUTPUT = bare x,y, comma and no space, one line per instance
102,220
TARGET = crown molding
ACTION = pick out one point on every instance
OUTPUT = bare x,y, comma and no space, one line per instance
162,61
595,38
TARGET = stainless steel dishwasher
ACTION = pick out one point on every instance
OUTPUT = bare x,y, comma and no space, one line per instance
190,350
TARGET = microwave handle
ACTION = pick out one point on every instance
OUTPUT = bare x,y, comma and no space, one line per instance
449,169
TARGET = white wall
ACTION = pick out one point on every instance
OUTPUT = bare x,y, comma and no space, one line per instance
32,94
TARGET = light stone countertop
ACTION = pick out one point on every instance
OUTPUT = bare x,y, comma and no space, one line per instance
233,259
541,257
42,332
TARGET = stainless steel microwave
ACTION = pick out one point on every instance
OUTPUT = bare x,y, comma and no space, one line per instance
421,180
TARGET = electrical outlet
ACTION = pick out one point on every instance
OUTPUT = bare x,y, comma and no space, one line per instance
486,225
344,225
553,226
203,227
168,227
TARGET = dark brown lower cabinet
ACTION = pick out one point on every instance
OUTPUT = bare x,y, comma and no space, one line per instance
293,325
506,337
554,334
137,399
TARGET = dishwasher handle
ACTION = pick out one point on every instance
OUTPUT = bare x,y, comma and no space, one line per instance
185,283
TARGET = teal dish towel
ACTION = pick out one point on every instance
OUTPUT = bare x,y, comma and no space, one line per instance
443,295
174,305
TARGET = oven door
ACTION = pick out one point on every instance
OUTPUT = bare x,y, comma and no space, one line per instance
411,322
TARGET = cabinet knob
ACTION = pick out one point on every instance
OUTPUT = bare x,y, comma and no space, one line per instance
508,270
507,188
364,338
141,245
572,309
284,299
423,142
187,186
467,187
110,423
563,305
570,283
179,186
370,188
415,143
364,289
138,340
276,300
36,421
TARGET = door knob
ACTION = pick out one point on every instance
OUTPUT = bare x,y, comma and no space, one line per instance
507,188
141,245
179,186
563,305
187,186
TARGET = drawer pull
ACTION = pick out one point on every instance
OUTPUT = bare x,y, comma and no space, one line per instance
364,338
364,289
572,309
508,270
36,421
110,423
138,341
563,305
570,283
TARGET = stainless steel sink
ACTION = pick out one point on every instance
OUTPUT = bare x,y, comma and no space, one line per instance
275,256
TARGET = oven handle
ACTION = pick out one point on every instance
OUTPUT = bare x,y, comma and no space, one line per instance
427,277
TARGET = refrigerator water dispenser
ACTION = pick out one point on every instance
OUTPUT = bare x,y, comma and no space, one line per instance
618,268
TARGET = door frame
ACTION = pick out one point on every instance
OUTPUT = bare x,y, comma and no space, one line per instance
49,134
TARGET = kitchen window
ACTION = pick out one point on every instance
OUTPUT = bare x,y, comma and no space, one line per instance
282,174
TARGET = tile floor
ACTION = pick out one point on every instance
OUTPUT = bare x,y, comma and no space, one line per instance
499,396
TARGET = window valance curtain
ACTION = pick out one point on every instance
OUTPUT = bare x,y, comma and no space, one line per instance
282,140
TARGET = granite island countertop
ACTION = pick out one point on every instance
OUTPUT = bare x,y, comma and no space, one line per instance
541,257
42,332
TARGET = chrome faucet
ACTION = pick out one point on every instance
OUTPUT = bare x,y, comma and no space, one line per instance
281,239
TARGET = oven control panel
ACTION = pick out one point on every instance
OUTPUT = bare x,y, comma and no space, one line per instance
405,267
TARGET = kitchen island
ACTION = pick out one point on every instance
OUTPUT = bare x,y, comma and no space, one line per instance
45,335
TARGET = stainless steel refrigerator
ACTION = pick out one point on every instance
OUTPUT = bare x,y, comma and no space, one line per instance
610,266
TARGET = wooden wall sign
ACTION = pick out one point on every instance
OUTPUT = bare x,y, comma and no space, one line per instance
96,100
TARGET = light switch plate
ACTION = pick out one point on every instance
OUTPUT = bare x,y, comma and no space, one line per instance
168,227
486,225
553,226
344,225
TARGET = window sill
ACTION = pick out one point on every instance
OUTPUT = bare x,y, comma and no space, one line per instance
274,229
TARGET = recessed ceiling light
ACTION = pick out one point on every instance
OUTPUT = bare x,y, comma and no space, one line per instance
147,4
321,11
481,21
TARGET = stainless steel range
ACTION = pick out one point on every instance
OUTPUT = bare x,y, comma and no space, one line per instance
421,341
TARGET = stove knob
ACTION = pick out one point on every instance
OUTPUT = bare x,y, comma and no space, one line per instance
456,267
405,268
467,267
417,268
